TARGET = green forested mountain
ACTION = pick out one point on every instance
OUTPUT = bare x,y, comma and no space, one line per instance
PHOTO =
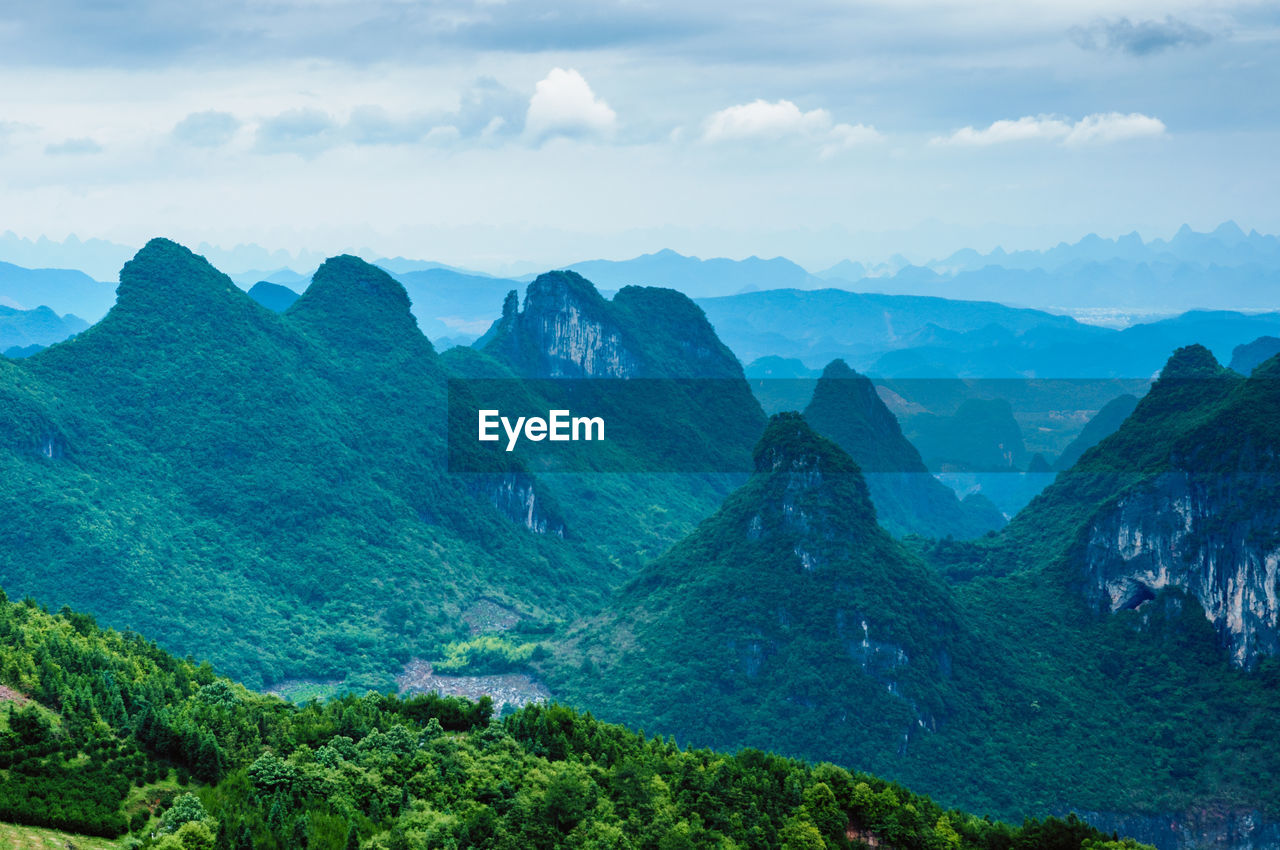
1103,424
791,617
102,733
250,487
272,491
908,499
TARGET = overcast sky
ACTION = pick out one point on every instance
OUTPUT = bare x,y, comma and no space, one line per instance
486,132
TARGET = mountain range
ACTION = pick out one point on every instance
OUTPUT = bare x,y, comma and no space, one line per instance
276,491
1093,652
23,332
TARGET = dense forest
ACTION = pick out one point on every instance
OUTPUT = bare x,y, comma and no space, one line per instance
105,734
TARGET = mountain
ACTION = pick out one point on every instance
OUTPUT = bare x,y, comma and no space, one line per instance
981,436
1104,423
41,326
246,485
820,325
1181,498
403,265
273,296
791,616
18,352
1137,351
97,258
649,363
1222,269
106,735
1159,286
464,303
789,608
1227,245
567,329
1248,356
281,277
61,290
696,277
907,498
845,270
781,383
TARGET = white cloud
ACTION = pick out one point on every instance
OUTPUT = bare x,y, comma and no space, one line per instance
762,120
564,105
1028,128
844,136
1096,128
1114,126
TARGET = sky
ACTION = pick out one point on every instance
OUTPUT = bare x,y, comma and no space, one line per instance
487,133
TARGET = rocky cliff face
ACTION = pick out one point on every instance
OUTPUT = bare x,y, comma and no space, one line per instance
1200,513
1193,830
571,331
567,330
1215,536
564,331
517,497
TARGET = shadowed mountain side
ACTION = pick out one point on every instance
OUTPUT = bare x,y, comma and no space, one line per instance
908,499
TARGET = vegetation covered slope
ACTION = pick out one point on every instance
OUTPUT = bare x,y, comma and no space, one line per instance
268,491
791,617
106,717
273,490
909,500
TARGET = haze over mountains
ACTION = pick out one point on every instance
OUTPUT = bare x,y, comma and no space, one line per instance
771,307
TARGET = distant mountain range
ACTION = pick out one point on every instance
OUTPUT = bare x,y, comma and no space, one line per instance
24,329
1106,279
61,290
946,318
905,336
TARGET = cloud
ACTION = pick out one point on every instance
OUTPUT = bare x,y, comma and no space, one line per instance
74,147
373,125
1113,127
305,131
1140,39
1099,127
1025,129
564,105
209,129
762,120
488,101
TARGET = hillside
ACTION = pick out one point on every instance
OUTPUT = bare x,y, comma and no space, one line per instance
98,721
790,607
246,486
908,499
249,486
